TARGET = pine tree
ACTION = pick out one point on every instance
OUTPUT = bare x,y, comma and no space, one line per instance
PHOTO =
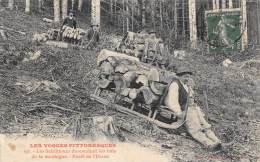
64,8
11,4
80,5
56,4
27,6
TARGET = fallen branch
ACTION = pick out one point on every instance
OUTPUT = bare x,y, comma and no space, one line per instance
3,34
52,105
13,30
249,62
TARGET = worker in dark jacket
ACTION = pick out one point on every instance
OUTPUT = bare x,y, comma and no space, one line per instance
68,26
70,21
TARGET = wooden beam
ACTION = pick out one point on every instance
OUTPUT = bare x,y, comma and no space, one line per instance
192,23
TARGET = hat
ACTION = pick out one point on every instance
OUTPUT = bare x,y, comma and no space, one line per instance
157,87
151,31
103,83
71,13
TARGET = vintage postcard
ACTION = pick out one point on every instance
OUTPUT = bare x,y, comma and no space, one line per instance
129,80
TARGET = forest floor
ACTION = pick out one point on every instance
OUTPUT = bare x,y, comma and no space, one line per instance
49,93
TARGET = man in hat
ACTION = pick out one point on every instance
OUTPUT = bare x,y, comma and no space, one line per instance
70,21
68,27
93,36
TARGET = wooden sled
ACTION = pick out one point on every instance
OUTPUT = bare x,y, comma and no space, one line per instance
161,116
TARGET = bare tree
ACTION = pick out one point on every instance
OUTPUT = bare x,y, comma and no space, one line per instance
143,12
127,16
11,4
80,5
40,5
111,9
27,6
153,12
64,8
56,4
230,4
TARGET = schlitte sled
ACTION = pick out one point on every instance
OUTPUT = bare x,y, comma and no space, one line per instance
139,89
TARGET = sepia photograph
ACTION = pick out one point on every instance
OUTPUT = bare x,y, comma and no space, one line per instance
129,80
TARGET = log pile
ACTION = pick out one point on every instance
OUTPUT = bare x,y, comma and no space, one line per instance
67,33
148,48
131,78
75,34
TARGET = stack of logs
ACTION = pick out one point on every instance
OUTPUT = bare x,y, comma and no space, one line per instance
131,78
148,49
55,34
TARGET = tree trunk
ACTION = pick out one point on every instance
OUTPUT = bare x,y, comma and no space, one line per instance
132,16
123,17
64,8
80,5
72,4
213,4
40,5
56,4
143,13
111,10
11,4
230,4
127,16
217,4
153,12
175,20
223,4
27,6
95,12
161,15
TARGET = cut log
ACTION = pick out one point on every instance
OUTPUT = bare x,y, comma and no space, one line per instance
13,30
103,126
3,34
58,44
47,20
